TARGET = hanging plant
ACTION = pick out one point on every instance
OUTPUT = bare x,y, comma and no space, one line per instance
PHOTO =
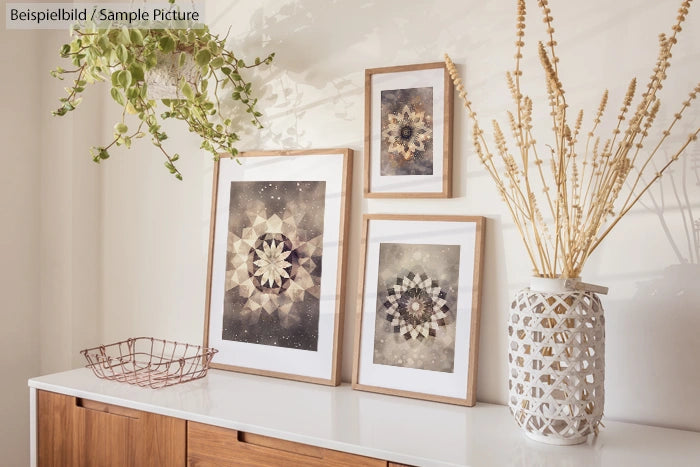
202,72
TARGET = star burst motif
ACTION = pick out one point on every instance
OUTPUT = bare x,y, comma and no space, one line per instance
416,306
272,265
407,132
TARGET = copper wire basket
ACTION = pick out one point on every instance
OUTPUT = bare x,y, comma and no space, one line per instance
149,362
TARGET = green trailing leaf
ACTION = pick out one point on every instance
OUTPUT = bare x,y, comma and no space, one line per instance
166,44
125,36
150,59
187,91
124,79
122,53
137,71
216,63
136,36
117,96
104,44
121,128
202,57
117,36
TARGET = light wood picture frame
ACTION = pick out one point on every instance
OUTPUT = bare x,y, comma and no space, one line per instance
277,255
408,132
417,324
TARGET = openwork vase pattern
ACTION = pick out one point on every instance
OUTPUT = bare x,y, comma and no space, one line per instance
557,364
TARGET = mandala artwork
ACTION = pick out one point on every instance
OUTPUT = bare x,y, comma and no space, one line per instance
417,292
416,306
407,132
273,273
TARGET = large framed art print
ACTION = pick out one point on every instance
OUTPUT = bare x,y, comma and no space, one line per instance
418,308
408,132
275,285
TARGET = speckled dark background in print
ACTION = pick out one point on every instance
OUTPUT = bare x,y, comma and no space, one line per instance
441,263
392,102
284,312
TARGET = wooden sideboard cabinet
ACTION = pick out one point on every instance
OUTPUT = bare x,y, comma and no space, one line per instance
237,419
73,431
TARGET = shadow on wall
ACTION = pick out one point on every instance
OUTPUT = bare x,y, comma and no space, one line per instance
315,76
662,318
323,47
684,185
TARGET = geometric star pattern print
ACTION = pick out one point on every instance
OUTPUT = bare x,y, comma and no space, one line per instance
406,132
416,306
274,264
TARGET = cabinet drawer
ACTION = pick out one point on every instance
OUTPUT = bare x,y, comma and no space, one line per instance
79,432
212,446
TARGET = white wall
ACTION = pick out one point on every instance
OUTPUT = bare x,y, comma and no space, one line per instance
19,211
49,206
70,202
155,229
124,245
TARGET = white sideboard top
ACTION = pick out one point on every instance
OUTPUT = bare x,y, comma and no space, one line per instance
387,427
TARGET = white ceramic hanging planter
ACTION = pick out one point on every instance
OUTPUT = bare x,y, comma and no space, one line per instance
164,78
556,361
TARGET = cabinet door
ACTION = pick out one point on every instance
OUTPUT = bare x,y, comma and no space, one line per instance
210,446
80,432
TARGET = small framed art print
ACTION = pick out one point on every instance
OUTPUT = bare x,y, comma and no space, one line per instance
418,312
275,285
408,132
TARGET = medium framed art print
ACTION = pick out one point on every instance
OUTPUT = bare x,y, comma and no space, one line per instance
408,132
418,312
275,284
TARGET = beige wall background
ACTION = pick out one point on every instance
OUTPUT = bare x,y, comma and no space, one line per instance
93,254
19,245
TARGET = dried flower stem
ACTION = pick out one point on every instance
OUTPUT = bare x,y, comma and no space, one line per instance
586,193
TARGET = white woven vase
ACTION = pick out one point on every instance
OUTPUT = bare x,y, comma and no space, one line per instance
556,362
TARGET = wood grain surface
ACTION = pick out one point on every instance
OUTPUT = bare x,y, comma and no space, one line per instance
79,432
210,446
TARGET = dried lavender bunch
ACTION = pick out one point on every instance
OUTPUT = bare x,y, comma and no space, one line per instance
584,183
